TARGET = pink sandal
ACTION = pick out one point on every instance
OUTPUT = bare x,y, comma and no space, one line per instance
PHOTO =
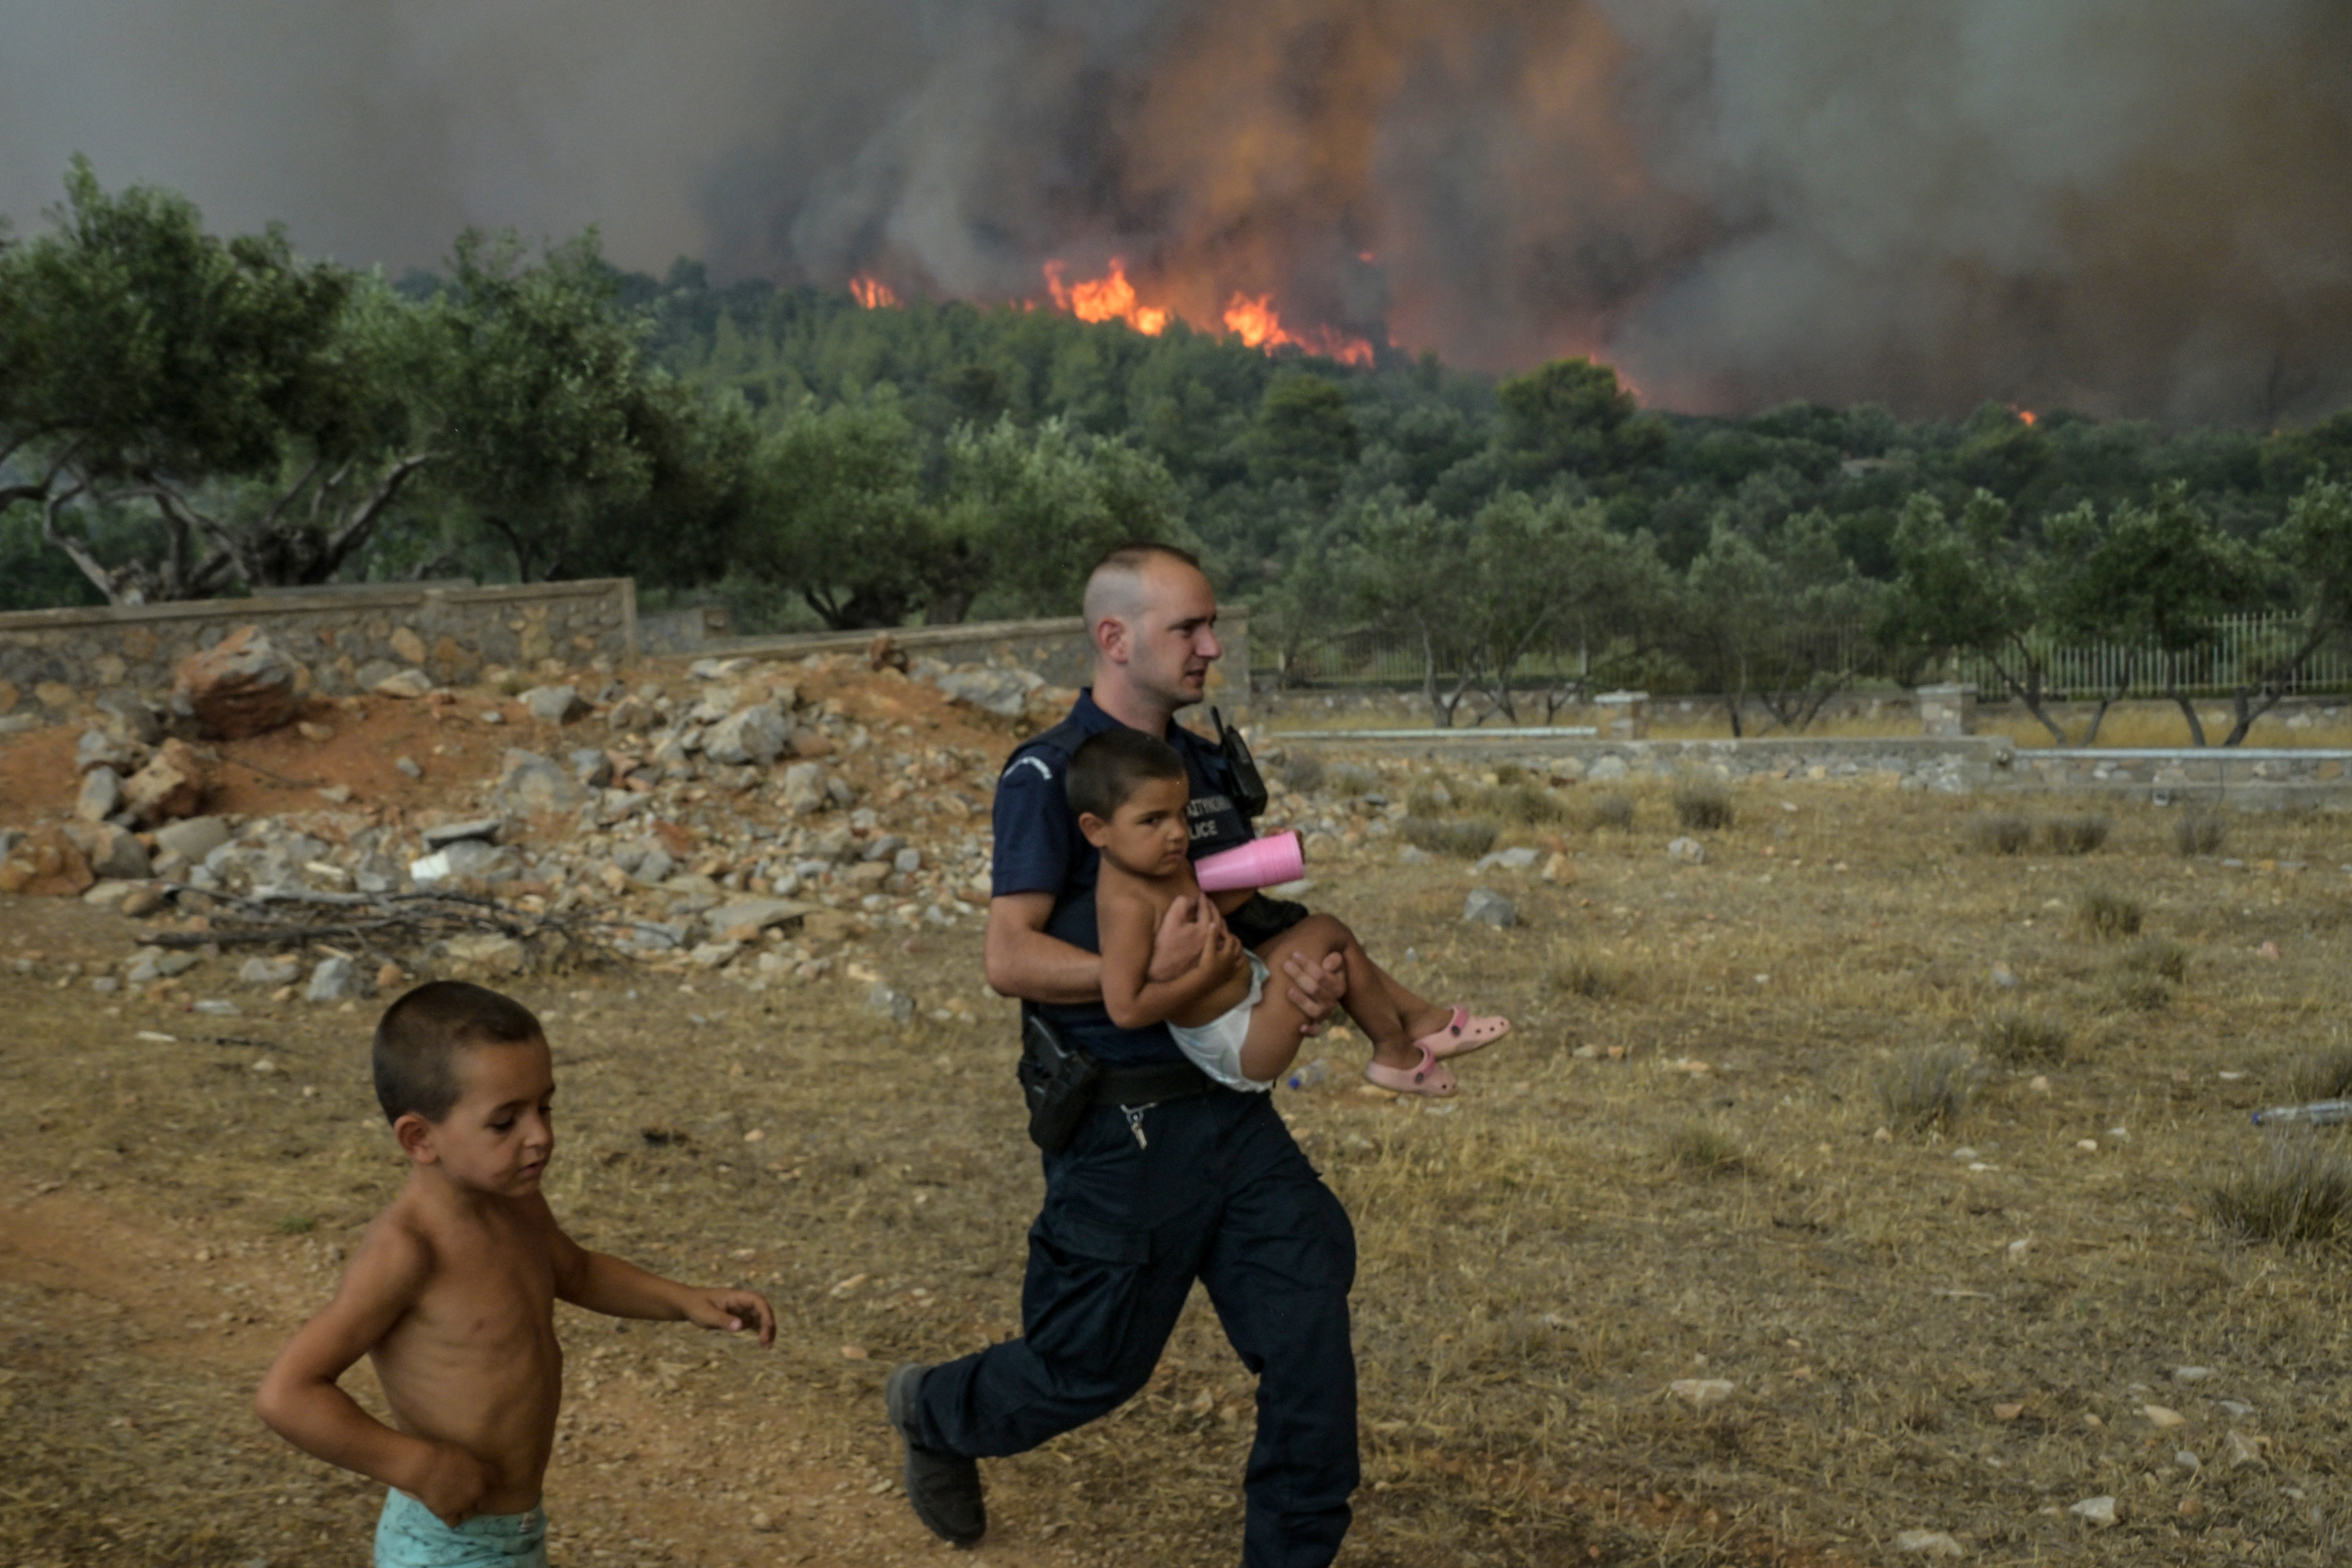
1427,1078
1463,1035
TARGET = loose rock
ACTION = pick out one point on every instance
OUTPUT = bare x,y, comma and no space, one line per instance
241,686
1486,907
1928,1543
2098,1510
1687,851
335,980
170,785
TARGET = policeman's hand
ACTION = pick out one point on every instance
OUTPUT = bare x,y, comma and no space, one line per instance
1315,988
1183,934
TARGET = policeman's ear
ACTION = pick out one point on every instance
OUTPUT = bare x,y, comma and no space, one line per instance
1111,639
1097,831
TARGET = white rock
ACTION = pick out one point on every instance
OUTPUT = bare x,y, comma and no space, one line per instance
2095,1510
335,980
269,971
1928,1543
756,734
1688,851
408,683
898,1005
553,704
1486,907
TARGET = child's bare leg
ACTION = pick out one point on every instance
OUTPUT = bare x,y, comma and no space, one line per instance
1276,1026
1418,1018
1391,1016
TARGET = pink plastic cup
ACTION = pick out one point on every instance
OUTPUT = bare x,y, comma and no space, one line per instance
1260,863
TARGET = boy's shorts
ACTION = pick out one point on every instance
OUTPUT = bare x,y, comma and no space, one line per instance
410,1535
1215,1048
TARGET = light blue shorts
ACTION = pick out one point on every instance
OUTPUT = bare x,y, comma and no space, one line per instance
410,1535
1215,1048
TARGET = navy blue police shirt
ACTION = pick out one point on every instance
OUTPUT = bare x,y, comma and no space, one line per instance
1039,849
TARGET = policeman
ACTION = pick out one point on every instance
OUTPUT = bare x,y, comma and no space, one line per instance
1168,1178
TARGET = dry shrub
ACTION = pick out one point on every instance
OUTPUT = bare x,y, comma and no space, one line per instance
1702,1149
1703,804
1527,805
1303,772
1580,974
2015,1038
2199,832
2108,914
2325,1073
1614,811
2002,833
2077,834
1433,796
2297,1191
2159,957
1351,779
1926,1087
2142,992
1509,773
1469,839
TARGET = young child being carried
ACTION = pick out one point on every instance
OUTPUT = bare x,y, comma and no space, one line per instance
451,1294
1129,791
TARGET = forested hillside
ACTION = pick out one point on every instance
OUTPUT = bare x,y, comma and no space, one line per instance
185,415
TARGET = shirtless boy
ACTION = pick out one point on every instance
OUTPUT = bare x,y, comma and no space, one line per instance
1128,790
451,1294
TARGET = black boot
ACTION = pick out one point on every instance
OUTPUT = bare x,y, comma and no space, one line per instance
942,1488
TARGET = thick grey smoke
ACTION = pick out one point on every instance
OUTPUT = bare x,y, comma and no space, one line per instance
2131,208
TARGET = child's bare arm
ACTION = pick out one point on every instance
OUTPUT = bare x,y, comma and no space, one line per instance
603,1283
1125,926
302,1402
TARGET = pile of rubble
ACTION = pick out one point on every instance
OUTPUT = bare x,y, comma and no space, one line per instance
729,821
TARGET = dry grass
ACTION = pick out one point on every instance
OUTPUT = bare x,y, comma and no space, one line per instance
1582,974
1522,804
2296,1192
1926,1088
2001,832
2160,958
1703,804
2015,1038
2077,833
1704,1149
2198,831
2325,1072
1536,1268
1462,839
2108,914
1612,811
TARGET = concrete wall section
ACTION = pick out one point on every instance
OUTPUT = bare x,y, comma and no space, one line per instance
52,660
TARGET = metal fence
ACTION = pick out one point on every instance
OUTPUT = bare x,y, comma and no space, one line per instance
2237,650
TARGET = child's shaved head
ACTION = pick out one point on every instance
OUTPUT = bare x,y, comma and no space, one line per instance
419,1036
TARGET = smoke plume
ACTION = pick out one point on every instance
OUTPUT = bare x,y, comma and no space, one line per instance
2130,208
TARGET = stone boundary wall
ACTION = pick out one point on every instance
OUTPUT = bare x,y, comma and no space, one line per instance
51,661
1962,764
1056,651
1955,765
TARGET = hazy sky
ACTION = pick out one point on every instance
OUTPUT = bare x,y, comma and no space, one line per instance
2127,207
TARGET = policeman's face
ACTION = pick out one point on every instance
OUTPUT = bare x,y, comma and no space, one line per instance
1147,834
1172,639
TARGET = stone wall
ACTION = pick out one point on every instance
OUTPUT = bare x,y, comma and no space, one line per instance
1955,765
1959,764
1057,652
53,660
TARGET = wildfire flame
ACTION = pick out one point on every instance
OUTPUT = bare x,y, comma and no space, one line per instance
1107,298
1112,298
872,292
1255,323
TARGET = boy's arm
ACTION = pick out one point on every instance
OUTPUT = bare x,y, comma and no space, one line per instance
1126,928
603,1283
300,1401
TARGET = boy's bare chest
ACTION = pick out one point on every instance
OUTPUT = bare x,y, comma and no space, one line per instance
489,1288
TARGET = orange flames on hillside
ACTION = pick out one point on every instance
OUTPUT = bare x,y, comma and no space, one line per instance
1110,298
1253,320
872,292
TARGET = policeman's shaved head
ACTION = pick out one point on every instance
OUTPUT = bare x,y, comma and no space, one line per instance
1116,589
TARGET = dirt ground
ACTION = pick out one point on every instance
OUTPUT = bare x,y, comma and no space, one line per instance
1673,1172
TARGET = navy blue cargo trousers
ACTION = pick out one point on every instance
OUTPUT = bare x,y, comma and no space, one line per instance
1215,1191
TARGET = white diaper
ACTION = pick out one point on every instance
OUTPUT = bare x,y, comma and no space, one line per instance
1215,1048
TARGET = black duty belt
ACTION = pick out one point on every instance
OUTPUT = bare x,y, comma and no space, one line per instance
1150,1083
